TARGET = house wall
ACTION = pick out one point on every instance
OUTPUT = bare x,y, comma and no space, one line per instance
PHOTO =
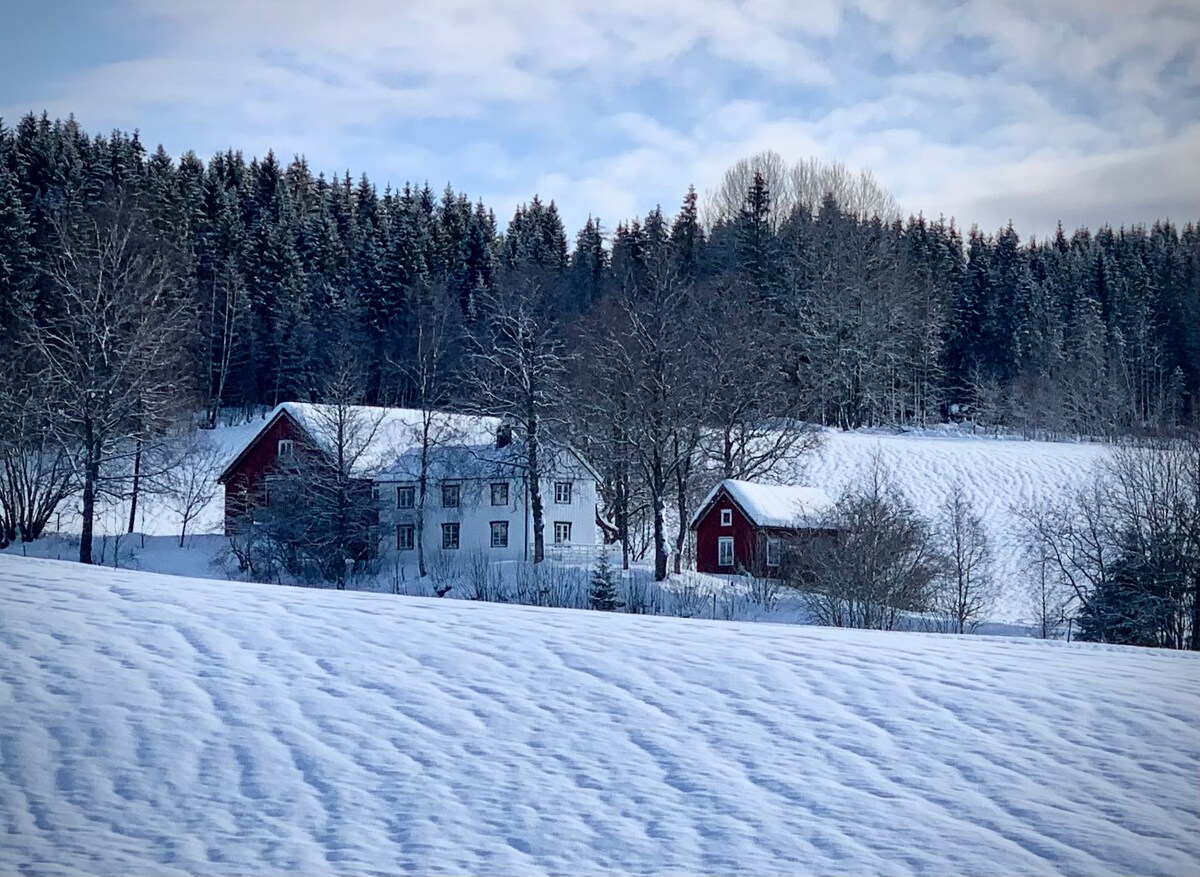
709,529
245,489
476,513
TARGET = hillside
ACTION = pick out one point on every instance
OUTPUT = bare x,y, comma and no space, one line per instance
999,474
170,725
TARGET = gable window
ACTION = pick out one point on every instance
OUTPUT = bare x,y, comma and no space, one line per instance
405,537
500,493
726,517
450,536
774,550
724,551
562,492
499,534
286,449
451,496
406,496
562,532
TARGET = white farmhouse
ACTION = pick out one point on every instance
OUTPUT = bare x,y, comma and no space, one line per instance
477,501
477,490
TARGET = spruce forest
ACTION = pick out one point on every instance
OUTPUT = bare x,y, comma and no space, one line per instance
277,278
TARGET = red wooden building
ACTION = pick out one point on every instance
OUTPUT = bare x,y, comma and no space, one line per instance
270,453
743,527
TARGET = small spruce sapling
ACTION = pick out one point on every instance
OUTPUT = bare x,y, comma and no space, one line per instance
602,595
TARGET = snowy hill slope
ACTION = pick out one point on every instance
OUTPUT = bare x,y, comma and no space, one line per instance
169,725
998,475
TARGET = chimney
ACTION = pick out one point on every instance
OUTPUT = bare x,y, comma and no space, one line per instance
503,435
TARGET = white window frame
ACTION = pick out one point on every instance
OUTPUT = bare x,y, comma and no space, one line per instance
503,486
286,449
411,532
448,528
403,490
562,492
774,552
562,532
457,488
499,528
725,555
726,517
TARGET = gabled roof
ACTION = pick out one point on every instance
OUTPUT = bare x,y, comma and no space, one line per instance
771,505
485,461
385,433
390,436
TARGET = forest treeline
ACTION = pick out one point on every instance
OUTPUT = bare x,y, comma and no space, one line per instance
873,320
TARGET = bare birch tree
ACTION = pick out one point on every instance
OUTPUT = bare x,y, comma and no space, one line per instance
429,373
519,374
799,186
967,591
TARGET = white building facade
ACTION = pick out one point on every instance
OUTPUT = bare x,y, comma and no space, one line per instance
477,505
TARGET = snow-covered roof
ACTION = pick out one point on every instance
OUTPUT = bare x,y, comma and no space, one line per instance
457,461
771,505
380,435
485,460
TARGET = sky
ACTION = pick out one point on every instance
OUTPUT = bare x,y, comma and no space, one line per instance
988,111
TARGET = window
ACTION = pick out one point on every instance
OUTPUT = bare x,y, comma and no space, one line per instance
562,532
724,551
726,517
272,486
774,550
451,497
406,496
286,449
500,493
500,534
405,537
450,536
562,492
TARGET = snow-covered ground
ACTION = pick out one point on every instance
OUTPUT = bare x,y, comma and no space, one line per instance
1000,475
153,724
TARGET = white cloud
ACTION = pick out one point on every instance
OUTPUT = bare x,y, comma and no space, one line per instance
990,110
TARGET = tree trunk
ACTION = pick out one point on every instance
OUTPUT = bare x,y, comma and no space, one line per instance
137,483
91,475
660,542
422,491
535,493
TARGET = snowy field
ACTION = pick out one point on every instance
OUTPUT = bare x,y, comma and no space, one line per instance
153,724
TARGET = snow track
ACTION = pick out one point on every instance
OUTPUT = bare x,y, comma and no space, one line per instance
153,724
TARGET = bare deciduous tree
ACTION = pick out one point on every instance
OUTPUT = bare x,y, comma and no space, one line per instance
188,481
803,185
429,374
36,472
520,366
967,590
111,356
1125,546
882,564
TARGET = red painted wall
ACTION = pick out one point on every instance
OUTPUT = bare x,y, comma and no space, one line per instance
245,488
748,542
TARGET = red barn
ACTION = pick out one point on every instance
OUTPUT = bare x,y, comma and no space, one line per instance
742,527
267,454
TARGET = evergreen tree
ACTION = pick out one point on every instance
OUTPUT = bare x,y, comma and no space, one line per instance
602,594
